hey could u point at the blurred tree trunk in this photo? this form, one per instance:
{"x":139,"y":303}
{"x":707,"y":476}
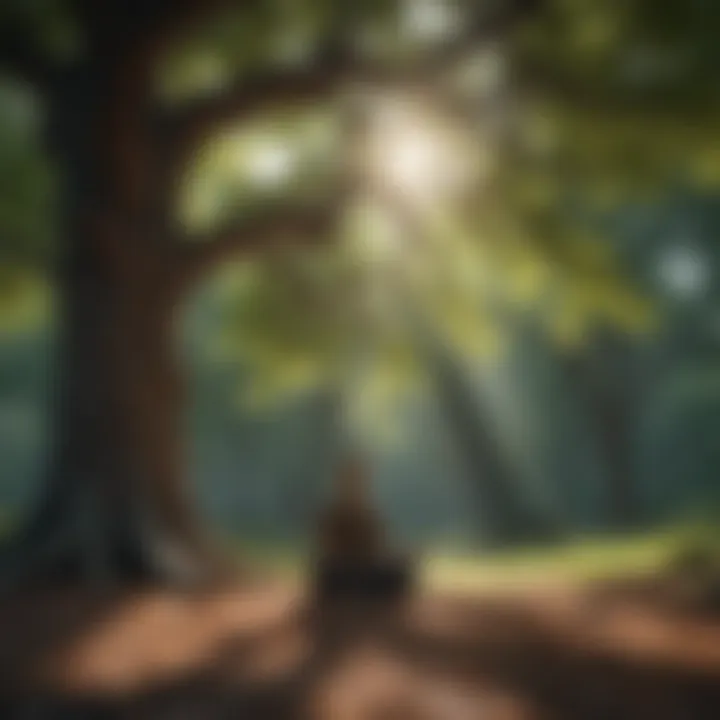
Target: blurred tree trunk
{"x":116,"y":504}
{"x":504,"y":514}
{"x":309,"y":481}
{"x":601,"y":380}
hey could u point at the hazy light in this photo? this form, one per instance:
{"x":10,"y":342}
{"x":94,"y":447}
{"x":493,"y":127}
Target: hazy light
{"x":484,"y":73}
{"x":416,"y":155}
{"x":684,"y":271}
{"x":269,"y":164}
{"x":376,"y":235}
{"x":411,"y":161}
{"x":429,"y":19}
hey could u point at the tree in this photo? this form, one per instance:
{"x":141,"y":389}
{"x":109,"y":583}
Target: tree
{"x":601,"y":378}
{"x":115,"y":501}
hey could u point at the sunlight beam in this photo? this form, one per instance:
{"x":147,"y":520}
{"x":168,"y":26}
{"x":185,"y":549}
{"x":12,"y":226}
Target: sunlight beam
{"x":269,"y":164}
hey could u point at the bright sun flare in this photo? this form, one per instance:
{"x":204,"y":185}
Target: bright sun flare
{"x":417,"y":155}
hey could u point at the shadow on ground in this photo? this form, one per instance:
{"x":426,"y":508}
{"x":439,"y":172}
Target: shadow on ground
{"x":263,"y":655}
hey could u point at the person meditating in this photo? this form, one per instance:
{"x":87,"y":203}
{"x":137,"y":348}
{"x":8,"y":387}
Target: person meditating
{"x":354,"y":561}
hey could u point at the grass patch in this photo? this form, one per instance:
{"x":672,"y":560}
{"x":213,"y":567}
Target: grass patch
{"x":577,"y":560}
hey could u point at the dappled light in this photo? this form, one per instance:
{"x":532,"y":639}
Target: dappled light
{"x":684,"y":271}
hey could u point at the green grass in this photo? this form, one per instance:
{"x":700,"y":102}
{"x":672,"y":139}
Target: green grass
{"x":578,"y":560}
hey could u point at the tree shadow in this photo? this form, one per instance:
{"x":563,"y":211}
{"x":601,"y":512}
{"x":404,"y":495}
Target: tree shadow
{"x":301,"y":645}
{"x":516,"y":651}
{"x":33,"y":625}
{"x":274,"y":668}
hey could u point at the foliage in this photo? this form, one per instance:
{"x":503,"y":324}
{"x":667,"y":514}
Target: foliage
{"x":26,"y":209}
{"x":601,"y":98}
{"x":585,"y":106}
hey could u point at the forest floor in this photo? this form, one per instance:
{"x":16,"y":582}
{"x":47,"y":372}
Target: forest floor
{"x":539,"y":652}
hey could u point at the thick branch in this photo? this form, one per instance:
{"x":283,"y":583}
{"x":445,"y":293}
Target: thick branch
{"x":484,"y":25}
{"x":252,"y":95}
{"x":334,"y":68}
{"x":126,"y":40}
{"x":306,"y":226}
{"x":162,"y":20}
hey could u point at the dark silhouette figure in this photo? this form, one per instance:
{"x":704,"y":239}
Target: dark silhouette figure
{"x":354,"y":561}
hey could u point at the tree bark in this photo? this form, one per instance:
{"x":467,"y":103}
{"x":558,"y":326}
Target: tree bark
{"x":607,"y":394}
{"x":116,"y":504}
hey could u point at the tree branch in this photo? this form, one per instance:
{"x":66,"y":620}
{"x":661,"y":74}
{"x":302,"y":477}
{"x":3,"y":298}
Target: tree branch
{"x":161,"y":19}
{"x":249,"y":96}
{"x":126,"y":40}
{"x":484,"y":25}
{"x":306,"y":226}
{"x":335,"y":66}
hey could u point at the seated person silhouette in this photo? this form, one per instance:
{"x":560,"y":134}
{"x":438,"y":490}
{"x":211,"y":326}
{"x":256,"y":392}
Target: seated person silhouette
{"x":354,"y":561}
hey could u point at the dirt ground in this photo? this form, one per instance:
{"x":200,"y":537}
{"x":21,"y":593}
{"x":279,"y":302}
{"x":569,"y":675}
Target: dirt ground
{"x":261,"y":653}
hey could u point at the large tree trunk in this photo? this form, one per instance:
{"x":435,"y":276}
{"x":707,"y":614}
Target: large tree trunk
{"x":116,"y":505}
